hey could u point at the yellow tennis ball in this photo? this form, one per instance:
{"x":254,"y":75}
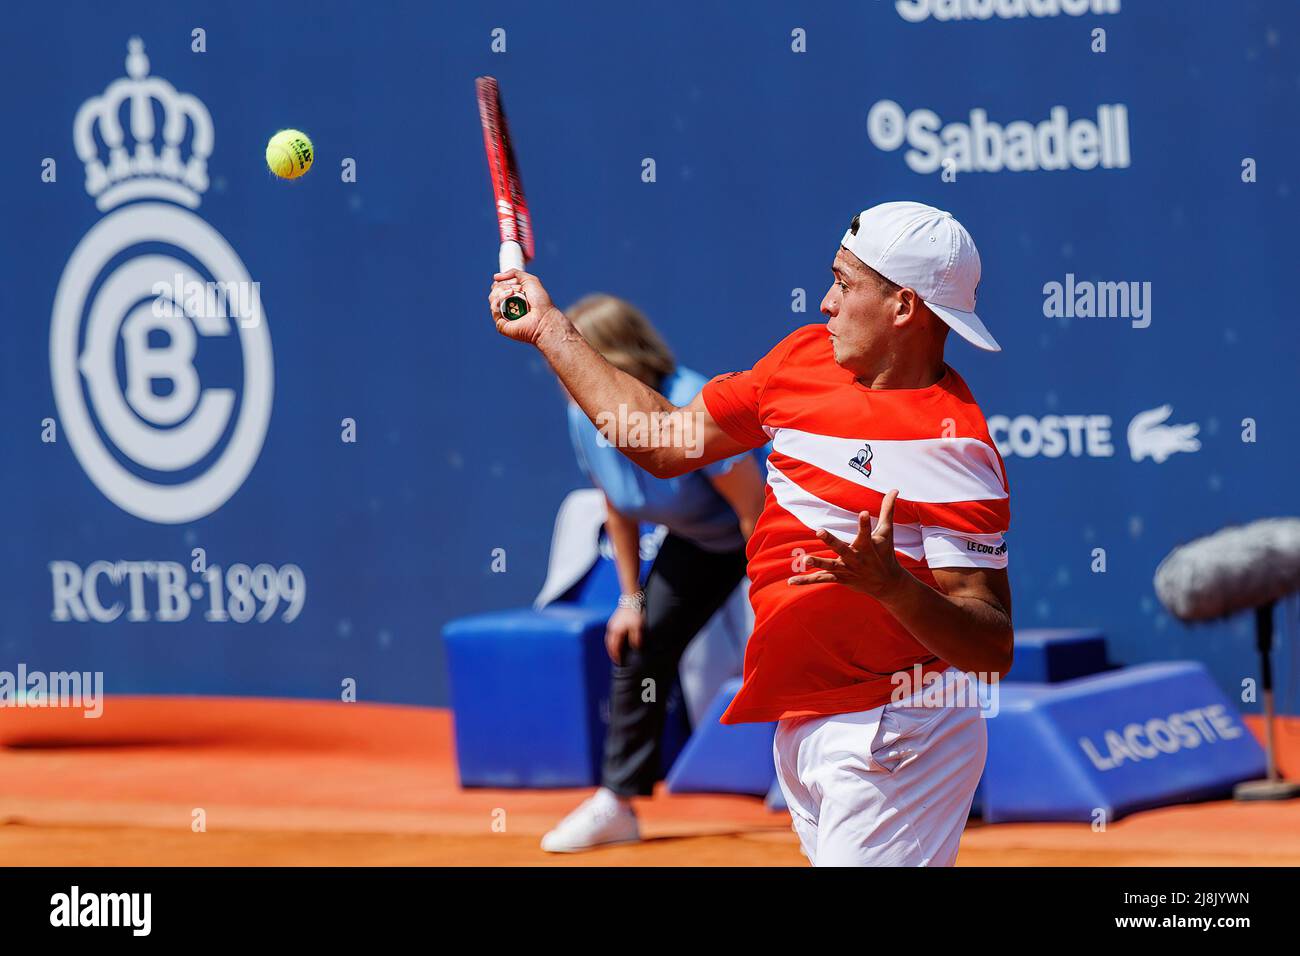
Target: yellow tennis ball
{"x":289,"y":153}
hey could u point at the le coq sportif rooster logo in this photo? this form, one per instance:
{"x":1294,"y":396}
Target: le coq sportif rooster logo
{"x":862,"y":461}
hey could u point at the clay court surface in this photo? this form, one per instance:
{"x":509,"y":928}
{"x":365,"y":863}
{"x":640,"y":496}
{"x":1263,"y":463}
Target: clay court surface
{"x":321,"y":784}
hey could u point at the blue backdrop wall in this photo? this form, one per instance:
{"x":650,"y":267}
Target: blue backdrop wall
{"x":1165,"y":163}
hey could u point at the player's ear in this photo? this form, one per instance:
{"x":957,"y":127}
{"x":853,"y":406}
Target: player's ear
{"x":907,"y":303}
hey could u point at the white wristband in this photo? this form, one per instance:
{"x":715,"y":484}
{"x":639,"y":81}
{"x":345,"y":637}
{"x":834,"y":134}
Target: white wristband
{"x":634,"y":602}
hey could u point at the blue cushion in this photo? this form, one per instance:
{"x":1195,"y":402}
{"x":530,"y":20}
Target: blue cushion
{"x":1114,"y":743}
{"x":528,"y":688}
{"x":725,"y":758}
{"x":1049,"y":655}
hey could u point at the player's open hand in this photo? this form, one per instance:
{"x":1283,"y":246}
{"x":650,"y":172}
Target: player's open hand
{"x":506,"y":284}
{"x":867,"y":565}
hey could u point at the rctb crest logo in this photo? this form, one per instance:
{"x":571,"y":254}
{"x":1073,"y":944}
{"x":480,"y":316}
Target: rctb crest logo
{"x":166,"y":409}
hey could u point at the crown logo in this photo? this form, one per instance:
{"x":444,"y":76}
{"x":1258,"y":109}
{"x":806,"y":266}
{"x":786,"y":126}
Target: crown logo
{"x":139,"y":167}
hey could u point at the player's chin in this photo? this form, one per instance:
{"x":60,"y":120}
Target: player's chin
{"x":842,"y":352}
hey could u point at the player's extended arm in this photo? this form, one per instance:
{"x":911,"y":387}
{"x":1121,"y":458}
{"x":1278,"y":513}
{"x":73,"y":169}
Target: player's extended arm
{"x":681,"y":439}
{"x":966,"y":623}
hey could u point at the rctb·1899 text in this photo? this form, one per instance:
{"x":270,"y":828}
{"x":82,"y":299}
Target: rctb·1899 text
{"x":162,"y":591}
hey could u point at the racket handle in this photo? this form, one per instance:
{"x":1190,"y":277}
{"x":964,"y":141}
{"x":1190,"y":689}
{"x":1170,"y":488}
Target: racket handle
{"x":512,"y":257}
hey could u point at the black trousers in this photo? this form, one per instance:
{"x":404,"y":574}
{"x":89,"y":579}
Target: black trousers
{"x":686,"y":585}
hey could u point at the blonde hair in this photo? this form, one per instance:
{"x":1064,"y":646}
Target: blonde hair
{"x":620,"y":332}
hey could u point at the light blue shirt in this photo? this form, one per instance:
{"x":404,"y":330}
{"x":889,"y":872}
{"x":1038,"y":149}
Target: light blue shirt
{"x":688,"y":505}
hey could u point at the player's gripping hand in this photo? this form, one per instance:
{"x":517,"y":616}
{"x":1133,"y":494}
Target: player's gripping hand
{"x":868,"y":565}
{"x":541,"y":310}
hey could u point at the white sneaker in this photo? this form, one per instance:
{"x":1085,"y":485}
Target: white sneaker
{"x":600,"y":820}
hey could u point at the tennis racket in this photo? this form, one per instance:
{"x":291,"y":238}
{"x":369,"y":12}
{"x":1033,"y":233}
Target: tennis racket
{"x":512,"y":208}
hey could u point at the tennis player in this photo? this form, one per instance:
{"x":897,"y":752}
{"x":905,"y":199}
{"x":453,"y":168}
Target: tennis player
{"x":878,"y":563}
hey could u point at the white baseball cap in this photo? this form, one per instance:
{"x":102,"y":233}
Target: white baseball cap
{"x":925,"y":249}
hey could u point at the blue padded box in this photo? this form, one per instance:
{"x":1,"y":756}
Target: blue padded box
{"x":1127,"y":740}
{"x":725,"y":758}
{"x":1048,"y":655}
{"x":530,"y":695}
{"x":528,"y":688}
{"x":1052,"y":654}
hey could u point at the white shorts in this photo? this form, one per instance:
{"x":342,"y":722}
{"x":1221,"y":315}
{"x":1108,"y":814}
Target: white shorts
{"x":890,"y":786}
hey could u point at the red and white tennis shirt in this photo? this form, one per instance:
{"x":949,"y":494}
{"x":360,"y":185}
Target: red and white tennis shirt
{"x":837,"y":448}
